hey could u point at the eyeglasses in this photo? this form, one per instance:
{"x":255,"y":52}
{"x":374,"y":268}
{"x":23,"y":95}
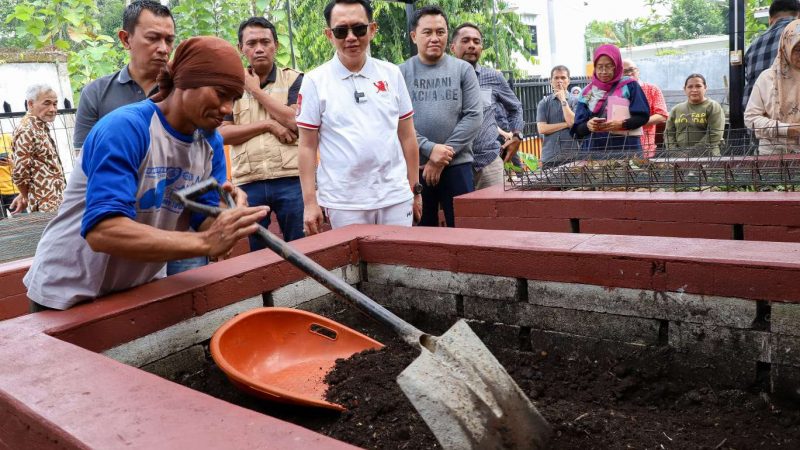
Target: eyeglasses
{"x":358,"y":31}
{"x":605,"y":68}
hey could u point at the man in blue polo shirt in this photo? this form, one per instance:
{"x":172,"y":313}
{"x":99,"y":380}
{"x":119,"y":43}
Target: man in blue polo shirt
{"x":118,"y":223}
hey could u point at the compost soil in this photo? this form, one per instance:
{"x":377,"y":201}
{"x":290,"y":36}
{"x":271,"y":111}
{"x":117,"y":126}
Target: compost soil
{"x":638,"y":400}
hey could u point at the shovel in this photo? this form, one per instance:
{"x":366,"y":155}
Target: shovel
{"x":458,"y":387}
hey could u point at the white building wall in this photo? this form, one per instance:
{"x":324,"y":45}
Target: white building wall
{"x":15,"y":77}
{"x":560,"y":26}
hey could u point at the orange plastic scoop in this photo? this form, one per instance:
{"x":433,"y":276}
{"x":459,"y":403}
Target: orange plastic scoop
{"x":283,"y":354}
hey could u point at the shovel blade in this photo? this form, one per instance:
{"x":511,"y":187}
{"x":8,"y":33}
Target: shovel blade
{"x":468,"y":399}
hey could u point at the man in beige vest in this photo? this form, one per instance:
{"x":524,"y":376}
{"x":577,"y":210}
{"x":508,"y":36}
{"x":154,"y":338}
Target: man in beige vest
{"x":262,"y":132}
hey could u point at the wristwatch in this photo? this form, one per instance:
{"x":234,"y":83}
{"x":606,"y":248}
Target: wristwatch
{"x":417,"y":189}
{"x":518,"y":135}
{"x":563,"y":103}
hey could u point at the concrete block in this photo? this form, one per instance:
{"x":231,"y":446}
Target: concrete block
{"x":572,"y":346}
{"x":785,"y":318}
{"x":180,"y":336}
{"x":785,"y":382}
{"x":716,"y":342}
{"x":307,"y":289}
{"x":728,"y":357}
{"x":478,"y":285}
{"x":408,"y":299}
{"x":175,"y":366}
{"x":496,"y":335}
{"x":675,"y":306}
{"x":785,"y":349}
{"x":584,"y":323}
{"x":327,"y":305}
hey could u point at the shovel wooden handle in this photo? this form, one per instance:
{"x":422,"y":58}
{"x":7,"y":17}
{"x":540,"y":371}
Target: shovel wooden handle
{"x":366,"y":305}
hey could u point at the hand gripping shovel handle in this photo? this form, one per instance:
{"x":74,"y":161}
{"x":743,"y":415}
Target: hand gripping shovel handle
{"x":366,"y":305}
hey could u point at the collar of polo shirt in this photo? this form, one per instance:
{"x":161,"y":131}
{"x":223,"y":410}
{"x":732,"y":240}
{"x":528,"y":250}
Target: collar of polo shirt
{"x":368,"y":71}
{"x":124,"y":75}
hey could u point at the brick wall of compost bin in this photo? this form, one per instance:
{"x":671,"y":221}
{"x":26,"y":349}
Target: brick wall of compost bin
{"x":14,"y":302}
{"x":730,"y":339}
{"x":756,"y":216}
{"x":698,"y":296}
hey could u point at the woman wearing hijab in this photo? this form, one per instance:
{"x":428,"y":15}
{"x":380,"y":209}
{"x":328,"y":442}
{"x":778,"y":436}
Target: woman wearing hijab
{"x":774,"y":106}
{"x":695,"y":127}
{"x":611,"y":109}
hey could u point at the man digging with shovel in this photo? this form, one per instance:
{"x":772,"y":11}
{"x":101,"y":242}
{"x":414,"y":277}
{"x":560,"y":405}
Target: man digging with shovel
{"x":118,"y":226}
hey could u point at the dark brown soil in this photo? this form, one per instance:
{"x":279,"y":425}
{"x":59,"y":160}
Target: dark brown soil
{"x":638,"y":400}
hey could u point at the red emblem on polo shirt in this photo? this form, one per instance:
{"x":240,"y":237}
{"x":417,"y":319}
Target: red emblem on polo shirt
{"x":299,"y":104}
{"x":382,"y":86}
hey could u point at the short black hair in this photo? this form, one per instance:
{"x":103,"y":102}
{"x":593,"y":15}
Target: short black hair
{"x":466,"y":25}
{"x":430,"y":10}
{"x":559,"y":68}
{"x":256,"y":21}
{"x":695,"y":75}
{"x":329,"y":8}
{"x":130,"y":17}
{"x":779,"y":6}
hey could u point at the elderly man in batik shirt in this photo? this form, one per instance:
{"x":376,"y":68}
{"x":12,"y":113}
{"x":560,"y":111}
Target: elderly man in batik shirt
{"x":37,"y":169}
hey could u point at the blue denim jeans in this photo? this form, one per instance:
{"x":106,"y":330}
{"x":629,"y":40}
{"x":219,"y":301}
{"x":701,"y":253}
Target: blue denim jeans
{"x":182,"y":265}
{"x":285,"y":198}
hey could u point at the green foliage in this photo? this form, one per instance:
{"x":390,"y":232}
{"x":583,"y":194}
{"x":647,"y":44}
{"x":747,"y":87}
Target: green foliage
{"x":688,"y":19}
{"x":70,"y":26}
{"x":530,"y":161}
{"x":392,"y":42}
{"x":511,"y":167}
{"x":109,"y":15}
{"x":86,"y":29}
{"x":694,"y":18}
{"x":54,"y":23}
{"x":221,"y":18}
{"x":753,"y":27}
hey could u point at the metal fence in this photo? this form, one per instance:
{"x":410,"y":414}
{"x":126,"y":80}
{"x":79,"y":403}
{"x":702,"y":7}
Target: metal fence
{"x":532,"y":90}
{"x":733,"y":162}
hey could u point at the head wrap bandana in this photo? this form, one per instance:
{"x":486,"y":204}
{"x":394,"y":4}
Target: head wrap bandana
{"x":596,"y":93}
{"x":202,"y":61}
{"x":786,"y":87}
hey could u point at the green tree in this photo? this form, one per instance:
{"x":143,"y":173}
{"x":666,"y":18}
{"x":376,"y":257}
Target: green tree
{"x":110,"y":16}
{"x":221,"y":18}
{"x":687,"y":19}
{"x":71,"y":26}
{"x":694,"y":18}
{"x":392,"y":41}
{"x":753,"y":27}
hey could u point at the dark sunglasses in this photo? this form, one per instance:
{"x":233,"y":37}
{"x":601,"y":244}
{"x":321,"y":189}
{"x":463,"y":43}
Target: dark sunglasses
{"x":341,"y":32}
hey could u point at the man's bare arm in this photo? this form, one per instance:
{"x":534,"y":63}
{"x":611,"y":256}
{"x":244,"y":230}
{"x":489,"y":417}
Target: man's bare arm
{"x":233,"y":134}
{"x":550,"y":128}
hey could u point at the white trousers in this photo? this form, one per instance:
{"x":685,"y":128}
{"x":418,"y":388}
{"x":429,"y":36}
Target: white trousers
{"x":400,"y":214}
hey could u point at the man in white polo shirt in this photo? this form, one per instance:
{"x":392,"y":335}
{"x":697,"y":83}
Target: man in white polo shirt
{"x":357,"y":110}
